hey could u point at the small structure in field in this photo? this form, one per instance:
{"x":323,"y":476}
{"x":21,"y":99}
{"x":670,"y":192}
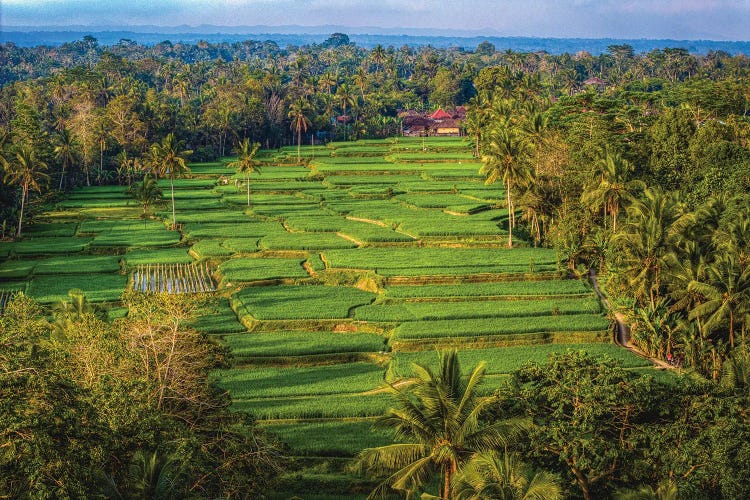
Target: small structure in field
{"x":5,"y":297}
{"x":173,"y":278}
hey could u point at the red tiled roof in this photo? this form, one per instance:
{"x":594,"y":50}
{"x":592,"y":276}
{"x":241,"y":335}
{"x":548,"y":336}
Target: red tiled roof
{"x":440,"y":115}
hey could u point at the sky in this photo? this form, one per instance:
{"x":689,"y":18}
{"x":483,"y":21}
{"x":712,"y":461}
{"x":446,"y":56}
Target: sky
{"x":675,"y":19}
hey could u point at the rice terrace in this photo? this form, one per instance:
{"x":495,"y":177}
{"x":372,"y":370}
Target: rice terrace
{"x":339,"y":275}
{"x":416,"y":261}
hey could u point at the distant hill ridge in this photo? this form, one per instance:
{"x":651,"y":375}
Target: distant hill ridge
{"x":29,"y":36}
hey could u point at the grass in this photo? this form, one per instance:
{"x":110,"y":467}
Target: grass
{"x":96,"y":287}
{"x":330,"y":439}
{"x":299,"y":302}
{"x":304,"y":241}
{"x":157,"y":256}
{"x":476,"y":309}
{"x":266,"y":382}
{"x":137,"y":239}
{"x":55,"y":229}
{"x":46,"y":246}
{"x":241,"y":245}
{"x":504,"y":360}
{"x":247,"y":229}
{"x":500,"y":326}
{"x":328,"y":406}
{"x":254,"y":269}
{"x":212,"y":248}
{"x":503,"y":289}
{"x":286,"y":343}
{"x":414,"y":261}
{"x":76,"y":264}
{"x":16,"y":269}
{"x":217,"y":317}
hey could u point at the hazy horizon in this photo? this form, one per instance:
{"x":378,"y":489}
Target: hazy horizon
{"x":631,"y":19}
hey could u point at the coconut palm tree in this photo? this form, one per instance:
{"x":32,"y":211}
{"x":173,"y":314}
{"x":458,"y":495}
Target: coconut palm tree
{"x":146,"y":194}
{"x":298,"y":114}
{"x":506,"y":157}
{"x":66,"y":151}
{"x":495,"y":476}
{"x":167,"y":158}
{"x":726,"y":291}
{"x":345,"y":98}
{"x":439,"y":417}
{"x":611,"y":186}
{"x":26,"y":171}
{"x":246,"y":161}
{"x":655,"y":225}
{"x":377,"y":55}
{"x":666,"y":490}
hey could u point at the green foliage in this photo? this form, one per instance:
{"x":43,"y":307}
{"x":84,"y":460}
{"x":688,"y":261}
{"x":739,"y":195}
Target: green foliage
{"x":421,"y":311}
{"x":266,"y":268}
{"x":97,"y":287}
{"x":329,"y":439}
{"x":502,"y":289}
{"x":286,"y":343}
{"x":298,"y":302}
{"x":513,"y":328}
{"x":266,"y":382}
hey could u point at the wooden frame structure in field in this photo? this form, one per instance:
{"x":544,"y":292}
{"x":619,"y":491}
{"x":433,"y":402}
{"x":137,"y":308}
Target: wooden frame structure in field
{"x":173,"y":278}
{"x":5,"y":297}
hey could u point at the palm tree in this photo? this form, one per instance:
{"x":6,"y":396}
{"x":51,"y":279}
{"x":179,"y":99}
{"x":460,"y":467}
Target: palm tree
{"x":655,"y":225}
{"x":168,"y":159}
{"x":495,"y":476}
{"x":300,"y":121}
{"x":726,"y":290}
{"x":666,"y":490}
{"x":611,"y":186}
{"x":439,"y":416}
{"x":146,"y":193}
{"x":505,"y":157}
{"x":154,"y":476}
{"x":66,"y":151}
{"x":246,"y":161}
{"x":327,"y":81}
{"x":377,"y":55}
{"x":26,"y":171}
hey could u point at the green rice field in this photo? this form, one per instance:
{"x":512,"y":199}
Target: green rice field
{"x":340,"y":274}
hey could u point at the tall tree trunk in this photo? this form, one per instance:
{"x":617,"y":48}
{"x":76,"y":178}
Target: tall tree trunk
{"x":731,"y":328}
{"x":583,"y":482}
{"x":62,"y":175}
{"x":510,"y":216}
{"x":248,"y":190}
{"x":24,"y":193}
{"x":299,"y":143}
{"x":174,"y":219}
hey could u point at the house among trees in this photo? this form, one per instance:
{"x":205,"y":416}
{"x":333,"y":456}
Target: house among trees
{"x":595,"y":82}
{"x":439,"y":123}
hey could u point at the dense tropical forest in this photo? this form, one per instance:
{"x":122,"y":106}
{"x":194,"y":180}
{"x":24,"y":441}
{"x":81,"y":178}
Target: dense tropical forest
{"x":631,"y":168}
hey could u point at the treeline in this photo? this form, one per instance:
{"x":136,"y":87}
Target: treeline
{"x":91,"y":408}
{"x":647,"y":183}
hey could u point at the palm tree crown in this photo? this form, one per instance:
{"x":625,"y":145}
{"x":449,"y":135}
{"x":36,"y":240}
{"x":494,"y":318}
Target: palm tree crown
{"x":439,"y":416}
{"x":28,"y":172}
{"x":505,"y":157}
{"x":167,"y":158}
{"x":246,"y":161}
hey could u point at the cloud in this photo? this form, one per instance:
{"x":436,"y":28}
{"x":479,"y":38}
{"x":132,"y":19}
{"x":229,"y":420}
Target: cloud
{"x":682,"y":19}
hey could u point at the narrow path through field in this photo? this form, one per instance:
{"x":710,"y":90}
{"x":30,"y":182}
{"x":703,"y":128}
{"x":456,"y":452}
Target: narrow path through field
{"x":622,"y":331}
{"x":401,"y":383}
{"x":367,"y":221}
